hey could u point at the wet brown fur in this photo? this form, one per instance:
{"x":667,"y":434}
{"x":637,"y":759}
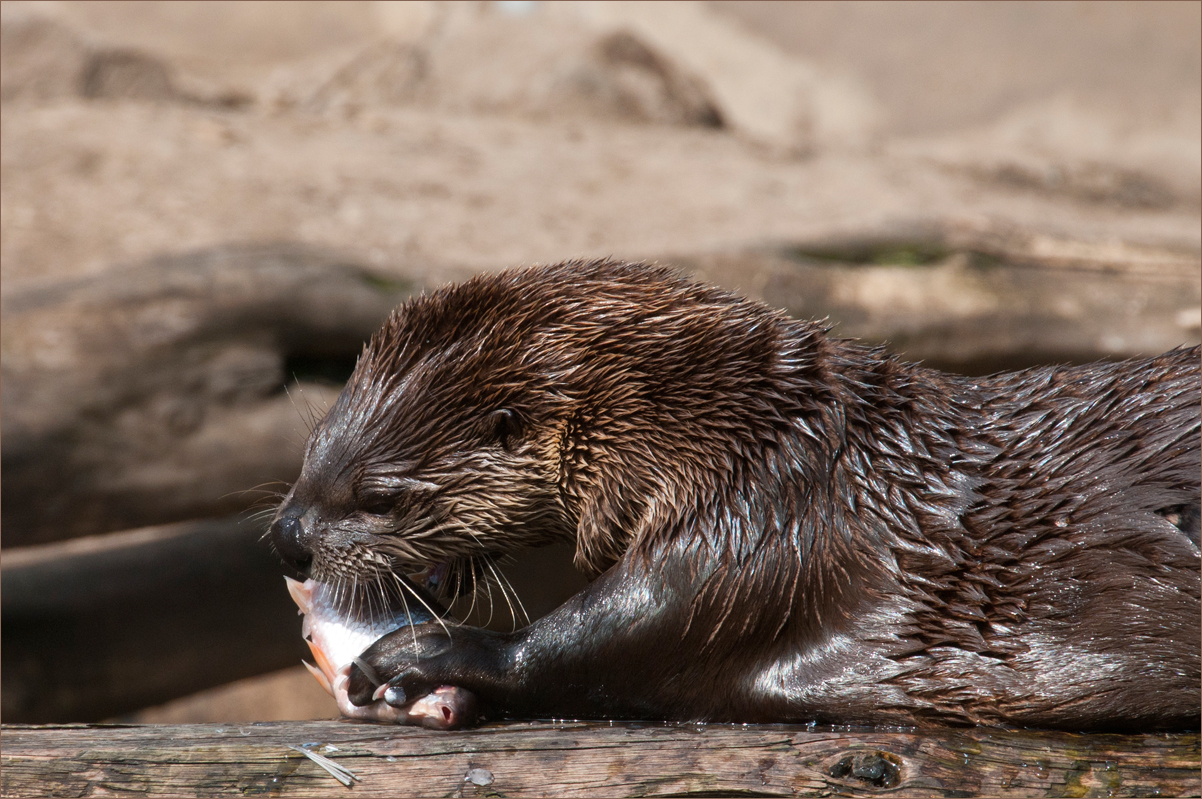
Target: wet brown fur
{"x":785,"y":526}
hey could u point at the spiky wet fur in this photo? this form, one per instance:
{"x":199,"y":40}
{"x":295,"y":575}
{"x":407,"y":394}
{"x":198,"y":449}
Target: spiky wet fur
{"x":817,"y":529}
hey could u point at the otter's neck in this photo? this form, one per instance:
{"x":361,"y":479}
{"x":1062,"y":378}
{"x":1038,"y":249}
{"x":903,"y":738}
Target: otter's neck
{"x":653,"y":438}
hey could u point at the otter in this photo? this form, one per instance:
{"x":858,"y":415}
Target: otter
{"x":781,"y":525}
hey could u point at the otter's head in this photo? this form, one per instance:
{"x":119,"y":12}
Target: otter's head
{"x":441,"y":447}
{"x":517,"y":409}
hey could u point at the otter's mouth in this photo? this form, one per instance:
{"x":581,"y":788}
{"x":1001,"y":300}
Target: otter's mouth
{"x":450,"y":579}
{"x":474,"y":584}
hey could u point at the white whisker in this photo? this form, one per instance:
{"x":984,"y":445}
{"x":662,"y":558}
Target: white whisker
{"x":525,"y":616}
{"x":417,"y":595}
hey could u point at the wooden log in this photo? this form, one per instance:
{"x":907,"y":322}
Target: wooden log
{"x":590,"y":759}
{"x":100,"y":626}
{"x":977,"y":302}
{"x":155,"y":394}
{"x":164,"y":391}
{"x":104,"y":625}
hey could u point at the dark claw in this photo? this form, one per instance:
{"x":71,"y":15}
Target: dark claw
{"x":369,"y":672}
{"x":359,"y":689}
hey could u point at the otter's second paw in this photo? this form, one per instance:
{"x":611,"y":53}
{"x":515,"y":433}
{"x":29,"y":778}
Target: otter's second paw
{"x":444,"y":708}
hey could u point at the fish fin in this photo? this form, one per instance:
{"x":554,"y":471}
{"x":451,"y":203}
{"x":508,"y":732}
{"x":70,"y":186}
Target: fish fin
{"x":323,"y":662}
{"x":320,"y":676}
{"x":303,"y":597}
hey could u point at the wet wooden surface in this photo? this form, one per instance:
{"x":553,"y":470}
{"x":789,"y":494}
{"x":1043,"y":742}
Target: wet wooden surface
{"x":588,"y":759}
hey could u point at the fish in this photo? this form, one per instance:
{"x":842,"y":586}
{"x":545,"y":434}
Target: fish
{"x":337,"y":638}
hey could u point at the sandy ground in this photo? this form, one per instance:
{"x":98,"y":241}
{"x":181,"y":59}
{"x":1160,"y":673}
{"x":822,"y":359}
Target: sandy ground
{"x":935,"y":67}
{"x":477,"y":179}
{"x":437,"y":140}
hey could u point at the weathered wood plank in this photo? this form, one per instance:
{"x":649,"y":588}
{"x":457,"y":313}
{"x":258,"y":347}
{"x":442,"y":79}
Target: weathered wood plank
{"x":590,"y":759}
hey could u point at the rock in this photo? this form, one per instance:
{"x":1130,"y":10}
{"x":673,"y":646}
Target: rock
{"x":665,"y":63}
{"x":165,"y":391}
{"x":477,"y":60}
{"x":1079,"y":152}
{"x":548,"y":64}
{"x":45,"y":56}
{"x":757,"y":89}
{"x":126,"y":75}
{"x":381,"y":75}
{"x":40,"y":57}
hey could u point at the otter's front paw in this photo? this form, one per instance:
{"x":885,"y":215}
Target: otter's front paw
{"x":411,"y":664}
{"x":399,"y":653}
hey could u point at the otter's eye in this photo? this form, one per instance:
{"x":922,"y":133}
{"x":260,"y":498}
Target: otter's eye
{"x":377,"y":506}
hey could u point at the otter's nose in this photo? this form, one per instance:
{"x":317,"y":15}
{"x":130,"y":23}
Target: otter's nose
{"x":288,"y":535}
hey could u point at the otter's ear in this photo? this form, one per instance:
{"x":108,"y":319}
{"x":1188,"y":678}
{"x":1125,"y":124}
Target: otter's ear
{"x":502,"y":426}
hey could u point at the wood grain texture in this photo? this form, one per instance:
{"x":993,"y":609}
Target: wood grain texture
{"x":589,"y":759}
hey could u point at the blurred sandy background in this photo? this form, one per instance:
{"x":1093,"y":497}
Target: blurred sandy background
{"x":484,"y":136}
{"x":432,"y":140}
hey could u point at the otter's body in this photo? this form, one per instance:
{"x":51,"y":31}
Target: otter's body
{"x":785,"y":526}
